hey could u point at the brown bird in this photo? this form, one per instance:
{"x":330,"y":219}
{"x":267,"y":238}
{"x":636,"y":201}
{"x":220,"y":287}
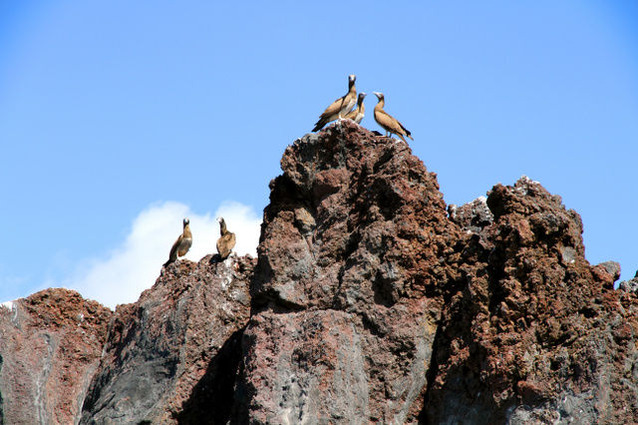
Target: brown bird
{"x":357,"y":113}
{"x":182,"y":244}
{"x":339,"y":107}
{"x":387,"y":121}
{"x":226,"y":241}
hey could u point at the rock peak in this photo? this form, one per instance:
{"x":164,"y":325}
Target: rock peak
{"x":370,"y":301}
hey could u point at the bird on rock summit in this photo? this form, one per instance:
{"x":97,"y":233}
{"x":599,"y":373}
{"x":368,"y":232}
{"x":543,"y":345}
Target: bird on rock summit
{"x":339,"y":107}
{"x":357,"y":113}
{"x":388,"y":122}
{"x":182,"y":244}
{"x":226,"y":241}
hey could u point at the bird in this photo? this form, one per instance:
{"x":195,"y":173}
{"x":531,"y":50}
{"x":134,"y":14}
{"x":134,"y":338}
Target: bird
{"x":226,"y":241}
{"x":387,"y":121}
{"x":357,"y":113}
{"x":339,"y":107}
{"x":182,"y":244}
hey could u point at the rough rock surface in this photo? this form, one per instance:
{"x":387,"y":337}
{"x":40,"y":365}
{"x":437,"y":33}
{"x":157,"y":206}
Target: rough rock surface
{"x":50,"y":346}
{"x":630,"y":285}
{"x":370,"y":302}
{"x":348,"y":287}
{"x":473,"y":216}
{"x":172,"y":356}
{"x":534,"y":334}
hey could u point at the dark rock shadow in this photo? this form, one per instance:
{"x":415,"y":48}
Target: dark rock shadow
{"x":212,"y":399}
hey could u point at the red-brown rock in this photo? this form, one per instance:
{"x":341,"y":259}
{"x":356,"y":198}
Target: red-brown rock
{"x":370,"y":302}
{"x":353,"y":263}
{"x":50,"y":346}
{"x":535,"y":334}
{"x":172,"y":356}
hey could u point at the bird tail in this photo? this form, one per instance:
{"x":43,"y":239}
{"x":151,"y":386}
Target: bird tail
{"x":319,"y":125}
{"x":171,"y":258}
{"x":407,"y":132}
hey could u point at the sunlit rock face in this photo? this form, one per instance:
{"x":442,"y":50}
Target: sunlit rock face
{"x":50,"y":347}
{"x":535,"y":334}
{"x":356,"y":253}
{"x":172,"y":356}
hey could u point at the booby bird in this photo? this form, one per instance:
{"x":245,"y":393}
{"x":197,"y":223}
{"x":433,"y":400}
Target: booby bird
{"x":339,"y":107}
{"x":182,"y":244}
{"x":226,"y":241}
{"x":357,"y":113}
{"x":387,"y":121}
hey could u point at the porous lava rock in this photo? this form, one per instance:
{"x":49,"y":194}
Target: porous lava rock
{"x":534,"y":334}
{"x":50,"y":346}
{"x":353,"y":260}
{"x":172,"y":356}
{"x":371,"y":301}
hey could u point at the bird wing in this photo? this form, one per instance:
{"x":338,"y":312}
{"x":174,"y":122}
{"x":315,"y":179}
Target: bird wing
{"x":220,"y":245}
{"x":349,"y":102}
{"x":351,"y":115}
{"x":391,"y":124}
{"x":359,"y":114}
{"x":225,"y":245}
{"x":173,"y":254}
{"x":407,"y":132}
{"x":184,"y":245}
{"x":231,"y":241}
{"x":334,"y":108}
{"x":386,"y":121}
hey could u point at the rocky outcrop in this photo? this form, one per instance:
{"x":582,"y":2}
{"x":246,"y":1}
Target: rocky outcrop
{"x":173,"y":355}
{"x":347,"y":294}
{"x":534,"y":334}
{"x":50,"y":346}
{"x":371,"y":301}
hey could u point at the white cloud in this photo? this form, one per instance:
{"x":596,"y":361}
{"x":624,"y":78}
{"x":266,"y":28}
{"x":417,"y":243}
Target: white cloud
{"x":134,"y":266}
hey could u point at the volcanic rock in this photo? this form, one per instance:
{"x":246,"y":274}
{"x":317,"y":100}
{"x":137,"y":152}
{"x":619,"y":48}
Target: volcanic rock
{"x":535,"y":334}
{"x":346,"y":304}
{"x":172,"y":356}
{"x":50,"y":346}
{"x":630,"y":285}
{"x":371,"y":301}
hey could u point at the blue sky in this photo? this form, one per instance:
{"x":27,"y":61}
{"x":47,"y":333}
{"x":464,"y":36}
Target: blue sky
{"x":113,"y":111}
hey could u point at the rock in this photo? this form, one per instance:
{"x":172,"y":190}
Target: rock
{"x":612,"y":268}
{"x":370,"y":302}
{"x":343,"y":326}
{"x":50,"y":345}
{"x":537,"y":335}
{"x":630,"y":285}
{"x":172,"y":356}
{"x":473,"y":216}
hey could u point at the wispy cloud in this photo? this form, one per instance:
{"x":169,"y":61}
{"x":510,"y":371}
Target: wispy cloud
{"x":121,"y":275}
